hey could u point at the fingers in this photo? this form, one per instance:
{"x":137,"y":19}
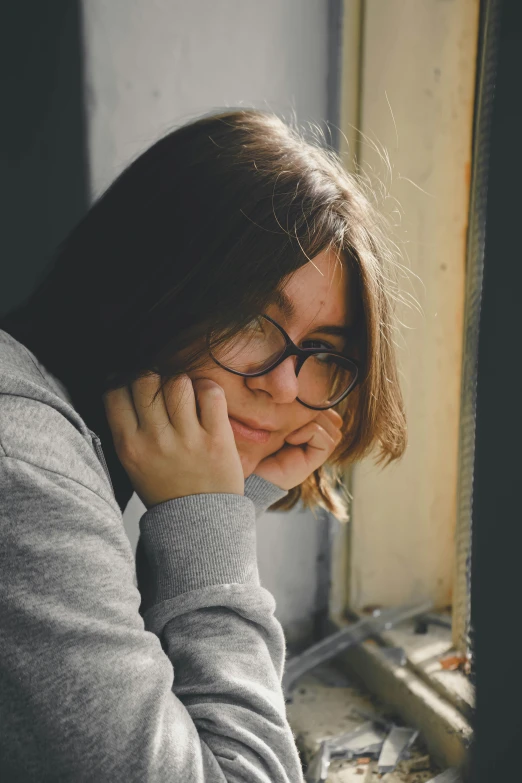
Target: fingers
{"x":213,"y":410}
{"x":312,"y":435}
{"x":150,"y":410}
{"x":318,"y":438}
{"x":121,"y":413}
{"x":180,"y":403}
{"x":332,"y":422}
{"x":174,"y":406}
{"x":170,"y":454}
{"x":139,"y":407}
{"x":305,"y":450}
{"x":327,"y":424}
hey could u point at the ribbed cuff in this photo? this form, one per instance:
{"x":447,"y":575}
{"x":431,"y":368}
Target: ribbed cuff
{"x":200,"y":540}
{"x":262,"y":493}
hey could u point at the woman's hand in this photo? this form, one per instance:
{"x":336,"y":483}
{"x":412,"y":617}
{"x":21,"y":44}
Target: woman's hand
{"x":305,"y":450}
{"x":166,"y":449}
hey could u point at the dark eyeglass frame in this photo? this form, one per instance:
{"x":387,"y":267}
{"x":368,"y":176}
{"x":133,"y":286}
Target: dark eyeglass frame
{"x":291,"y":349}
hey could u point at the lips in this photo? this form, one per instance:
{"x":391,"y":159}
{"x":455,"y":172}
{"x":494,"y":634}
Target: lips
{"x":255,"y":425}
{"x":250,"y":431}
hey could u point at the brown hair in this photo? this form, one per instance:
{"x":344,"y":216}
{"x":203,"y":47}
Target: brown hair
{"x":201,"y":231}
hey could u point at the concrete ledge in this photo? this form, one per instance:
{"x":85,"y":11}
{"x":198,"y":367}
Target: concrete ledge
{"x":424,"y":652}
{"x":444,"y":729}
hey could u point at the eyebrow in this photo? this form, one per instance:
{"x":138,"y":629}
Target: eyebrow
{"x":282,"y":301}
{"x":285,"y":305}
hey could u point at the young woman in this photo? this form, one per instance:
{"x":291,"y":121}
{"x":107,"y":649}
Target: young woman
{"x":221,"y":320}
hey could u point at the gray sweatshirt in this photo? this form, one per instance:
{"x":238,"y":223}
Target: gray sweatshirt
{"x":91,"y":690}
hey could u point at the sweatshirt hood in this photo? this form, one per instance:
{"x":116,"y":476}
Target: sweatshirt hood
{"x":23,"y":375}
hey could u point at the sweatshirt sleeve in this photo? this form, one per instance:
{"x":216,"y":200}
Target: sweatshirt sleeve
{"x":262,"y":493}
{"x":92,"y":691}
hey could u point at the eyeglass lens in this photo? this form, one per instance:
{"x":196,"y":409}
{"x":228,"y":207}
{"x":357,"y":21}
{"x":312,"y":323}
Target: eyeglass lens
{"x":322,"y":380}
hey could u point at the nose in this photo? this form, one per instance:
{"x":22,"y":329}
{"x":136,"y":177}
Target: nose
{"x":280,"y":383}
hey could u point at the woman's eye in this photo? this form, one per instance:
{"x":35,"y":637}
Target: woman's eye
{"x":318,"y":344}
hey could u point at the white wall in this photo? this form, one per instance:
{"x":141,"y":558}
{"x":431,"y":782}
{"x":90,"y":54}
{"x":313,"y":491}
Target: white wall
{"x":154,"y":64}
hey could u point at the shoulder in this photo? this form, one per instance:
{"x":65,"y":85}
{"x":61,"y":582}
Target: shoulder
{"x":39,"y":426}
{"x":34,"y":432}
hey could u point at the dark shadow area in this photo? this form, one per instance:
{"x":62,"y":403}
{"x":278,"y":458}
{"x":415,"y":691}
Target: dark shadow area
{"x":497,"y":513}
{"x":43,"y":172}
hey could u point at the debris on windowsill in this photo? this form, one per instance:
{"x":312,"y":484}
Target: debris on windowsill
{"x":317,"y":771}
{"x":395,"y":747}
{"x":339,"y":641}
{"x":443,"y":620}
{"x":330,"y":712}
{"x":419,"y":764}
{"x":449,"y":776}
{"x":364,"y":743}
{"x":364,"y":740}
{"x":455,"y":663}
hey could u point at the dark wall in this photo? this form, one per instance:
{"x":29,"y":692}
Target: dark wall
{"x":43,"y":176}
{"x":497,"y":499}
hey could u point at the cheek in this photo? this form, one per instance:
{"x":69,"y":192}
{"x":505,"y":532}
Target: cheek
{"x":298,"y":417}
{"x":293,"y":418}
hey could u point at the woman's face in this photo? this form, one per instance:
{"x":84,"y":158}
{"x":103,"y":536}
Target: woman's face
{"x":264,"y":410}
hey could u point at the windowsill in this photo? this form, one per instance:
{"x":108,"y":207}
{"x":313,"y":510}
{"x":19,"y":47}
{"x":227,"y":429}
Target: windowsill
{"x":437,"y":702}
{"x":424,"y":653}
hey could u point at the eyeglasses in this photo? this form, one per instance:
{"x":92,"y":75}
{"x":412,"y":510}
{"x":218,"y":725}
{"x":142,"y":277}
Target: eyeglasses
{"x":325,"y":377}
